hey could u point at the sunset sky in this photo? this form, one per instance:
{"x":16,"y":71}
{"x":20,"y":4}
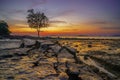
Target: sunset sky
{"x":67,"y":17}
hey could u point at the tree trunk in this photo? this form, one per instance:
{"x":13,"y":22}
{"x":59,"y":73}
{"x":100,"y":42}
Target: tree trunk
{"x":38,"y":33}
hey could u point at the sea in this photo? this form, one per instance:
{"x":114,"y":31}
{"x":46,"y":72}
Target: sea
{"x":88,"y":37}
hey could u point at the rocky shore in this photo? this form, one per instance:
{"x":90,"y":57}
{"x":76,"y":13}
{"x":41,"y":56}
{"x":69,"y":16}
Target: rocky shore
{"x":29,"y":59}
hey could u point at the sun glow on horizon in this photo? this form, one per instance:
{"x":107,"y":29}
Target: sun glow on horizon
{"x":60,"y":29}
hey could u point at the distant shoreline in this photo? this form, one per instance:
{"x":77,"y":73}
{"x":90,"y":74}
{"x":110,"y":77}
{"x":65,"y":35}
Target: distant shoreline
{"x":62,"y":37}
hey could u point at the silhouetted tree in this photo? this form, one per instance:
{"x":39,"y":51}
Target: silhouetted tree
{"x":37,"y":20}
{"x":4,"y":28}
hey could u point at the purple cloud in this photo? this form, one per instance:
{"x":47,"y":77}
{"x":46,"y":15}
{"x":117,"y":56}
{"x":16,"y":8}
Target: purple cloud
{"x":99,"y":22}
{"x":113,"y":28}
{"x":58,"y":21}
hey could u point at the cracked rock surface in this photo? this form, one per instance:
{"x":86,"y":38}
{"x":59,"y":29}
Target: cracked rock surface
{"x":80,"y":59}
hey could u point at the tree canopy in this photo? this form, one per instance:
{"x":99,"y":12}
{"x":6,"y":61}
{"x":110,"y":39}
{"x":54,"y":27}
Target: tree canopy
{"x":37,"y":20}
{"x":4,"y":28}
